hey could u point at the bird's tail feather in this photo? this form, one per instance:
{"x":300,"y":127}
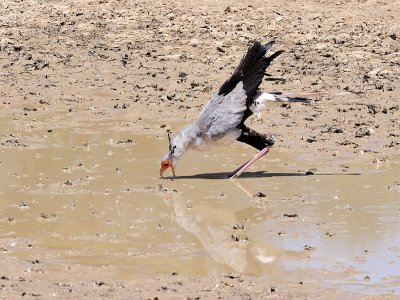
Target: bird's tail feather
{"x":261,"y":100}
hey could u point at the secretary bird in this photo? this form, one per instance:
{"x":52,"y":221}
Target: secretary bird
{"x":224,"y":116}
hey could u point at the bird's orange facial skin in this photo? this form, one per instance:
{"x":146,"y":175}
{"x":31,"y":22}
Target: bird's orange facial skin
{"x":165,"y":165}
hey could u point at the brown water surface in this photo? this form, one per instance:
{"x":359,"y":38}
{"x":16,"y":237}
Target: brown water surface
{"x":92,"y":196}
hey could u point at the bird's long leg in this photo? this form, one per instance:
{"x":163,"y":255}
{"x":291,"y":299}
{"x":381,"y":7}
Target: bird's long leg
{"x":246,"y":165}
{"x":241,"y":166}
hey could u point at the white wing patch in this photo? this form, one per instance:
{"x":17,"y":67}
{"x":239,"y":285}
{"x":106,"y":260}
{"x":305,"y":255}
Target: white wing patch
{"x":261,"y":100}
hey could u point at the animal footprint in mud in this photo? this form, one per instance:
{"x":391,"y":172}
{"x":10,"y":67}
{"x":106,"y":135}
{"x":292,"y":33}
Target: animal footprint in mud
{"x":47,"y":217}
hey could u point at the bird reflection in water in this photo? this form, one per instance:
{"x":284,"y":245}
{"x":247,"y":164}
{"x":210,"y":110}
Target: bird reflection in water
{"x":236,"y":248}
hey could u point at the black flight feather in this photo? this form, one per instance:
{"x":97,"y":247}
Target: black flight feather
{"x":250,"y":70}
{"x":230,"y":84}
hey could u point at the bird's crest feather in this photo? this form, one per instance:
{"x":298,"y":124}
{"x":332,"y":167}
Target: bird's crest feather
{"x":171,"y":147}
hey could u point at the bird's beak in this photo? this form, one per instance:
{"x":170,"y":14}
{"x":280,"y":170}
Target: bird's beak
{"x":164,"y":166}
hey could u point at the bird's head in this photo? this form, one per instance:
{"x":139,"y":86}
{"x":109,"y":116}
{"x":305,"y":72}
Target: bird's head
{"x":168,"y":160}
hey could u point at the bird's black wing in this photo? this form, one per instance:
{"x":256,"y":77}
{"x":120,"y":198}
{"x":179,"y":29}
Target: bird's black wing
{"x":250,"y":70}
{"x":230,"y":106}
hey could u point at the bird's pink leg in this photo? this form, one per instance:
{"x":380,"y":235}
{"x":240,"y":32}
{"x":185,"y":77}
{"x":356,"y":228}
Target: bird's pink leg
{"x":246,"y":165}
{"x":241,"y":166}
{"x":257,"y":156}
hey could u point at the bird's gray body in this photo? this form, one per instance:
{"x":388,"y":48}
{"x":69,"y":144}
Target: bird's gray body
{"x":217,"y":121}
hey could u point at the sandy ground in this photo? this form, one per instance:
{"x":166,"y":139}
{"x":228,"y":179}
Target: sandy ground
{"x":133,"y":62}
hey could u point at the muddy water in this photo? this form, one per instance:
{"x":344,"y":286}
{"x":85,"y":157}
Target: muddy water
{"x":92,"y":196}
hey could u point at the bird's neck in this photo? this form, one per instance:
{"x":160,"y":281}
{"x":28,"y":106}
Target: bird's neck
{"x":185,"y":140}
